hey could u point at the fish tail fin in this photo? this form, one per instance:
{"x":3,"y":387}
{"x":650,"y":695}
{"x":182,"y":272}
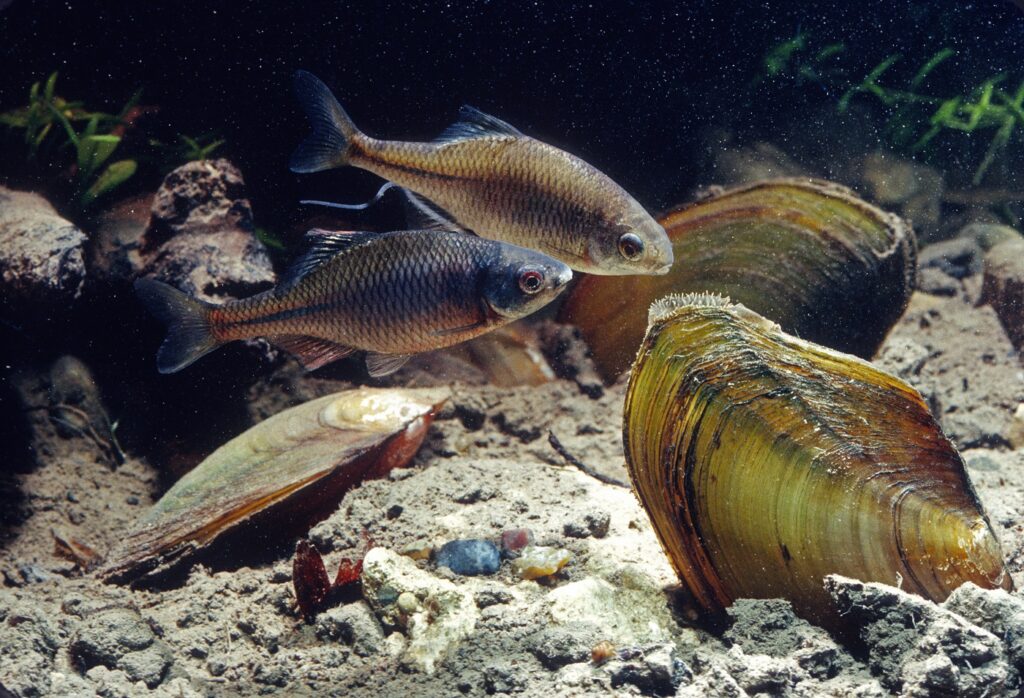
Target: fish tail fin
{"x":189,"y":331}
{"x":330,"y":143}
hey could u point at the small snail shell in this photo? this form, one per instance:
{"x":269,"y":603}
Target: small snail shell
{"x":766,"y":463}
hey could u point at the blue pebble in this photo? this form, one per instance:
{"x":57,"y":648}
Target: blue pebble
{"x":470,"y":557}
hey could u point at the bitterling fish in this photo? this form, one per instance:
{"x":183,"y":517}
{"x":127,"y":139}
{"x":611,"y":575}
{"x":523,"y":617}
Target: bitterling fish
{"x":485,"y":176}
{"x":391,"y":294}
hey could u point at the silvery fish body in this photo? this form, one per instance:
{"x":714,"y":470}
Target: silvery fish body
{"x":390,"y":294}
{"x":485,"y":176}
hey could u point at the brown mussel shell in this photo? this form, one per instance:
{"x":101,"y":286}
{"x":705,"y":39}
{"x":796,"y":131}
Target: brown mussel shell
{"x":766,"y":462}
{"x":277,"y":479}
{"x":808,"y":254}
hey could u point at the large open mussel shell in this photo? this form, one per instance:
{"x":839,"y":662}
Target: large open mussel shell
{"x":767,"y":462}
{"x":280,"y":476}
{"x":807,"y":254}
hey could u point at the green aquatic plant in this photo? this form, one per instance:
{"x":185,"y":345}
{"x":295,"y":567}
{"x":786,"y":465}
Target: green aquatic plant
{"x":48,"y":117}
{"x":185,"y":149}
{"x":987,"y":107}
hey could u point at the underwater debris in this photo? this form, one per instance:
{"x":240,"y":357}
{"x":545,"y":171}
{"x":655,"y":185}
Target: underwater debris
{"x":766,"y":463}
{"x":808,"y":254}
{"x":279,"y":477}
{"x":483,"y":175}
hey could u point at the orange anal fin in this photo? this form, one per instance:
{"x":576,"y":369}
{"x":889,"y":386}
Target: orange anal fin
{"x":312,"y":352}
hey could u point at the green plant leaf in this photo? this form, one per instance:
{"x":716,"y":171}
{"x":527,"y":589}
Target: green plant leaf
{"x":93,"y":151}
{"x":51,"y":85}
{"x":116,"y":174}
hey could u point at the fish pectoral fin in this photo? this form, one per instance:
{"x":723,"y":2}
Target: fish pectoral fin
{"x":473,"y":123}
{"x":457,"y":330}
{"x":320,"y":246}
{"x":423,"y":214}
{"x":312,"y":352}
{"x":382,"y":364}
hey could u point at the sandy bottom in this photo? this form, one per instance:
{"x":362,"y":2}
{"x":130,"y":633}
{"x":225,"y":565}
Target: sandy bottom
{"x":489,"y":465}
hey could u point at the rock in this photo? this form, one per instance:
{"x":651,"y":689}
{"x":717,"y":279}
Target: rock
{"x":714,"y":682}
{"x":504,"y":677}
{"x":590,"y":523}
{"x":915,"y":188}
{"x":1003,"y":287}
{"x":763,"y":674}
{"x":355,"y":625}
{"x":769,"y":627}
{"x":918,"y":648}
{"x":937,"y":282}
{"x":28,"y":645}
{"x":959,"y":258}
{"x":201,"y":236}
{"x":559,"y":645}
{"x":536,"y":561}
{"x":988,"y":235}
{"x":996,"y":611}
{"x":514,"y":540}
{"x":625,"y":614}
{"x":119,"y":638}
{"x":492,"y":596}
{"x":446,"y":616}
{"x":42,"y":258}
{"x":115,"y":254}
{"x":469,"y":557}
{"x":655,"y":671}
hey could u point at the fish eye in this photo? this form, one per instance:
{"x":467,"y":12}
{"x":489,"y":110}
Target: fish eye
{"x":631,"y":246}
{"x":530,"y":281}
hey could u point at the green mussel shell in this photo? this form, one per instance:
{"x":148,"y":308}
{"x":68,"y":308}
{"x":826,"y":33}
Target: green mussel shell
{"x":276,"y":479}
{"x":766,"y":462}
{"x":808,"y":254}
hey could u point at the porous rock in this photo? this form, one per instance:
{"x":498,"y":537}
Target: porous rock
{"x":42,"y":258}
{"x":28,"y":644}
{"x":1003,"y":287}
{"x":558,"y":645}
{"x":770,"y":627}
{"x":447,"y":614}
{"x":119,"y":638}
{"x":588,"y":523}
{"x":918,"y":648}
{"x":959,"y":258}
{"x":201,"y":236}
{"x":654,"y":670}
{"x":355,"y":625}
{"x":998,"y":612}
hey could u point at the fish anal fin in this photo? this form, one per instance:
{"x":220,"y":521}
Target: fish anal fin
{"x":312,"y":352}
{"x":319,"y":246}
{"x":423,"y":214}
{"x":378,"y":365}
{"x":473,"y":123}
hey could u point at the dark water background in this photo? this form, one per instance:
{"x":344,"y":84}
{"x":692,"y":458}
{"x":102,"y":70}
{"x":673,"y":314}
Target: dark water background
{"x":630,"y":86}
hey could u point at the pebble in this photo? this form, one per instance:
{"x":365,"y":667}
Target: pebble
{"x":469,"y":557}
{"x":1003,"y":287}
{"x":514,"y":540}
{"x":1015,"y":432}
{"x":353,"y":624}
{"x":538,"y":561}
{"x":591,"y":523}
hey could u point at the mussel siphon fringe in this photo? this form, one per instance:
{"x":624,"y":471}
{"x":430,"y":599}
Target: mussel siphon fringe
{"x":808,"y":254}
{"x":276,"y":479}
{"x":766,"y":462}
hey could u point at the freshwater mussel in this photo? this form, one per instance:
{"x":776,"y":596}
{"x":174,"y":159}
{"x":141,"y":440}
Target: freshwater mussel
{"x":807,"y":254}
{"x":767,"y":462}
{"x":276,"y":479}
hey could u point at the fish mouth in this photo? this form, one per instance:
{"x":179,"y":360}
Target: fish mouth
{"x":661,"y":271}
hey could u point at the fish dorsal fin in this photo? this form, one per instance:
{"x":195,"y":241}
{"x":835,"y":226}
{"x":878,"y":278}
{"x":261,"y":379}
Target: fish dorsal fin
{"x":321,"y":245}
{"x":378,"y":365}
{"x":312,"y":352}
{"x":473,"y":123}
{"x":423,"y":214}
